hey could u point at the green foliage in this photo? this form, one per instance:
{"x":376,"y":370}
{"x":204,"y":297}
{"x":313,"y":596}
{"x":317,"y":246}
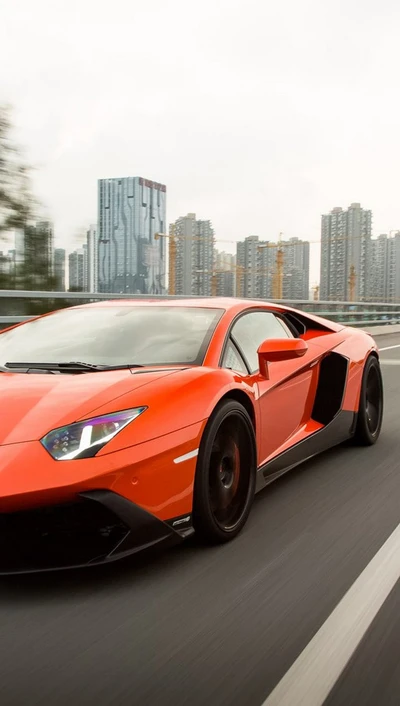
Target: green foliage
{"x":16,"y":200}
{"x":17,"y":212}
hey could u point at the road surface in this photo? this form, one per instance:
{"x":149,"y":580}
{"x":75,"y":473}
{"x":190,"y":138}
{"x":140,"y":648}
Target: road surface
{"x":225,"y":626}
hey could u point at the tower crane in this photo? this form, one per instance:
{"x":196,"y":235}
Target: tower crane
{"x":171,"y":256}
{"x":238,"y":269}
{"x":352,"y":283}
{"x":277,"y":281}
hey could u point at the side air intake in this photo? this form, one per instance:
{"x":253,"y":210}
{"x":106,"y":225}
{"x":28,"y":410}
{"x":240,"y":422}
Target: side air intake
{"x":331,"y":387}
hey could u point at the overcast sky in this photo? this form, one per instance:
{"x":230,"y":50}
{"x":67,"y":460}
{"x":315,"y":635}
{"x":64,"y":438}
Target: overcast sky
{"x":258,"y":115}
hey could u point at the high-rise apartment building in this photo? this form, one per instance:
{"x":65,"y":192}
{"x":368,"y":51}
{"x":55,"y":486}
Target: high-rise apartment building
{"x":257,"y":263}
{"x":194,"y":255}
{"x":184,"y":232}
{"x":296,"y":269}
{"x":34,"y":256}
{"x":345,"y":248}
{"x":224,"y":274}
{"x":59,"y":269}
{"x":203,"y":258}
{"x":76,"y":274}
{"x":384,"y":277}
{"x":131,"y":210}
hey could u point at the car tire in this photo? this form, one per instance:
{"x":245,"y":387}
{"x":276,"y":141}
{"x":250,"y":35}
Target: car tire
{"x":225,"y":474}
{"x":370,"y":409}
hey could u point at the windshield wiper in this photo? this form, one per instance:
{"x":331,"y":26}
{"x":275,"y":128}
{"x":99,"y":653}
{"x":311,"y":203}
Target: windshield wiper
{"x":71,"y":366}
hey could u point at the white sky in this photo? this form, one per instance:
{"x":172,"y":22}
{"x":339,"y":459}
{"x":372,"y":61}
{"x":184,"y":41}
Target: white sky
{"x":259,"y":115}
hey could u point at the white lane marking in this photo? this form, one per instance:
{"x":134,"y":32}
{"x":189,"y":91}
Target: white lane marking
{"x":312,"y":676}
{"x":389,"y":348}
{"x":187,"y":456}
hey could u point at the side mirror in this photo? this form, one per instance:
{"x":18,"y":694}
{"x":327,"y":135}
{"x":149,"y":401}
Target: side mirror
{"x":279,"y":349}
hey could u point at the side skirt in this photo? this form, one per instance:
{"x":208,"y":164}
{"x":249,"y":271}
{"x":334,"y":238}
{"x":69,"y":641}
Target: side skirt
{"x":340,"y":429}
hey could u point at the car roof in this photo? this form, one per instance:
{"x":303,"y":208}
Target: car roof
{"x":231,"y":306}
{"x":201,"y":302}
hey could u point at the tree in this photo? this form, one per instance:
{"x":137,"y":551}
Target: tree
{"x":17,"y":212}
{"x":16,"y":200}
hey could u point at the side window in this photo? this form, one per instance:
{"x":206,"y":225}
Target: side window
{"x":254,"y":328}
{"x":233,"y":360}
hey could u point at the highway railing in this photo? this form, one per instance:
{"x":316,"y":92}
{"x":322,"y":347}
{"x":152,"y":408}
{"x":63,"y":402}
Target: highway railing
{"x":21,"y":305}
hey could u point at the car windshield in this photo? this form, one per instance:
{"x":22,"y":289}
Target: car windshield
{"x":113,"y":335}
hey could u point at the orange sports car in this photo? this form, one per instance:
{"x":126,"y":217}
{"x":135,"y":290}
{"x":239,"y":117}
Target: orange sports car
{"x":129,"y":423}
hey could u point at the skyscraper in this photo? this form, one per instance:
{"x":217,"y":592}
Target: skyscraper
{"x":384,"y":279}
{"x":258,"y":262}
{"x":76,"y":266}
{"x":345,"y":247}
{"x":296,"y":269}
{"x":91,"y":275}
{"x":130,"y":211}
{"x":224,"y":274}
{"x":203,"y":259}
{"x":34,"y":256}
{"x":59,"y":269}
{"x":194,"y":256}
{"x":185,"y":232}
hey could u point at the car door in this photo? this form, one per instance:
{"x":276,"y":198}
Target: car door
{"x":285,"y":399}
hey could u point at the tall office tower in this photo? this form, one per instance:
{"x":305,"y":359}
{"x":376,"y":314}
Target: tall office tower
{"x":296,"y":269}
{"x":91,"y":273}
{"x":59,"y":269}
{"x":345,"y":254}
{"x":76,"y":266}
{"x":131,"y":210}
{"x":194,"y":255}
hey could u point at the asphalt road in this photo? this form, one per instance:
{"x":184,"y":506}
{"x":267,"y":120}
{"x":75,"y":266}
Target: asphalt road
{"x":221,"y":627}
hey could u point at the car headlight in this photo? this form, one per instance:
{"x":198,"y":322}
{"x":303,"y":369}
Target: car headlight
{"x":84,"y":439}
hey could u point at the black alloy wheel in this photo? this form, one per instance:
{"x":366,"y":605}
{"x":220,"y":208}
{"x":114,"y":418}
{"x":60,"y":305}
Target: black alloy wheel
{"x":370,"y":411}
{"x":225,"y":475}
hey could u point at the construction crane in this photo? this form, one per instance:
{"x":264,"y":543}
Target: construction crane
{"x":172,"y":239}
{"x":352,"y":283}
{"x":239,"y":269}
{"x":277,"y":280}
{"x":171,"y":257}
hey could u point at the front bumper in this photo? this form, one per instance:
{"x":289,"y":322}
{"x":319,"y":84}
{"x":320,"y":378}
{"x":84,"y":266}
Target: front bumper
{"x":98,"y":526}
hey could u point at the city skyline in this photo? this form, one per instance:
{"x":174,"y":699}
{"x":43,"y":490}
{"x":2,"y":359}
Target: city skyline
{"x":354,"y":265}
{"x":222,"y":243}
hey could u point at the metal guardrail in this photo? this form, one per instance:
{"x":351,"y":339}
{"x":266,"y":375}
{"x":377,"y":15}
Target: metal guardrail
{"x":20,"y":305}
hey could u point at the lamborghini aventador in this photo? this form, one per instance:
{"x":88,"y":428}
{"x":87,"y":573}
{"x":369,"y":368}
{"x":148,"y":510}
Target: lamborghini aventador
{"x":130,"y":423}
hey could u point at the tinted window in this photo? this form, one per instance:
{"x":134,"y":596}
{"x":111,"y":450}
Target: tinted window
{"x":254,"y":328}
{"x":112,"y":335}
{"x":233,"y":360}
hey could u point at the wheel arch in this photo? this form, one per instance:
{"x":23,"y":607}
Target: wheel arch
{"x":243,"y":399}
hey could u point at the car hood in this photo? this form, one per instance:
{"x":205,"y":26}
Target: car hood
{"x":33,"y":404}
